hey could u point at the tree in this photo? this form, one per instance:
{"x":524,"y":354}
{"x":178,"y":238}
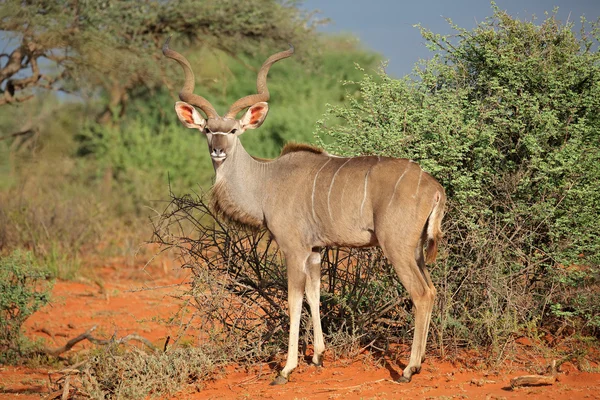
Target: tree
{"x":115,"y":45}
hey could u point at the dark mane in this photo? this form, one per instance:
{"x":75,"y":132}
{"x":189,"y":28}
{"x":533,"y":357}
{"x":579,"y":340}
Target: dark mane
{"x":292,"y":147}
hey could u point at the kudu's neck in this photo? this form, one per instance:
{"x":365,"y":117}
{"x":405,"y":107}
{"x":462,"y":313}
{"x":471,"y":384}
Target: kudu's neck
{"x":240,"y":168}
{"x":241,"y":186}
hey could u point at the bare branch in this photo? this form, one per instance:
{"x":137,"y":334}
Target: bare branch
{"x":69,"y":345}
{"x":87,"y":335}
{"x":10,"y":99}
{"x":14,"y":64}
{"x":19,"y":84}
{"x":15,"y":134}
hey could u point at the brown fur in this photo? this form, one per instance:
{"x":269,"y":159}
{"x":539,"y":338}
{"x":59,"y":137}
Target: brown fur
{"x":224,"y":206}
{"x":292,"y":147}
{"x":262,"y":159}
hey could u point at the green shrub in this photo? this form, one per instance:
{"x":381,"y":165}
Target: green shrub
{"x":506,"y":118}
{"x":24,"y":288}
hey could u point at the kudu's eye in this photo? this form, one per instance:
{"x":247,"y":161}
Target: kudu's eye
{"x":233,"y":131}
{"x":206,"y":130}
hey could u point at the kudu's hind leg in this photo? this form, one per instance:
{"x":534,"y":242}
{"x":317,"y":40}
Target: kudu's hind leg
{"x":296,"y":283}
{"x":313,"y":287}
{"x":423,"y":268}
{"x":422,"y":294}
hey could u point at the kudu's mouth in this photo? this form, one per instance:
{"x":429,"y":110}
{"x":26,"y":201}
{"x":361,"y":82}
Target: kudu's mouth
{"x":218,"y":154}
{"x":219,"y":158}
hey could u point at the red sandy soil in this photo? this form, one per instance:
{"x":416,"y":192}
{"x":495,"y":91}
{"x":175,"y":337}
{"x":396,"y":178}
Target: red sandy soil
{"x":118,"y":306}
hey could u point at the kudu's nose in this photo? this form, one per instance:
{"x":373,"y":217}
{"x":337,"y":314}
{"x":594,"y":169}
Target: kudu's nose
{"x":218,"y":153}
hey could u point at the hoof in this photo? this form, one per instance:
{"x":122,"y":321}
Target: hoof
{"x":411,"y":371}
{"x":280,"y":380}
{"x":318,"y":363}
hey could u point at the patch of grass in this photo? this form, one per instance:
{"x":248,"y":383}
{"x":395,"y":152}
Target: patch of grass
{"x":115,"y":374}
{"x":61,"y":264}
{"x":50,"y":214}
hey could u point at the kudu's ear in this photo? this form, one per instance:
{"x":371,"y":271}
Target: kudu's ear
{"x":189,"y":116}
{"x":255,"y":116}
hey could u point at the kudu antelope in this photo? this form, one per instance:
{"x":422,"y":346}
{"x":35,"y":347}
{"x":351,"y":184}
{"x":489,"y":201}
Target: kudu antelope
{"x":309,"y":199}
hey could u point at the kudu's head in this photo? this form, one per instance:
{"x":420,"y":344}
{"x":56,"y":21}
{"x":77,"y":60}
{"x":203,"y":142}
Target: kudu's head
{"x":221,"y":132}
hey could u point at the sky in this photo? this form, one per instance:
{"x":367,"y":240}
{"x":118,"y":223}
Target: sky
{"x":386,"y":26}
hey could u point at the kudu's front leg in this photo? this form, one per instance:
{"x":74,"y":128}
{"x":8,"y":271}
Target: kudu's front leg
{"x":296,"y":284}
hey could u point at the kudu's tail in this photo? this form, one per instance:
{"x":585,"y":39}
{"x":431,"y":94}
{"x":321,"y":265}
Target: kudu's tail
{"x":434,"y":227}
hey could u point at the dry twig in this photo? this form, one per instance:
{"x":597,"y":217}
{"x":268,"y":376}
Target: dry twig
{"x":64,"y":388}
{"x":87,"y":335}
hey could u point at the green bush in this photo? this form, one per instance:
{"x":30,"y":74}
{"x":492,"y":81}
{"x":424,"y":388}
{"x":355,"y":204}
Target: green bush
{"x":24,"y":288}
{"x":506,"y":118}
